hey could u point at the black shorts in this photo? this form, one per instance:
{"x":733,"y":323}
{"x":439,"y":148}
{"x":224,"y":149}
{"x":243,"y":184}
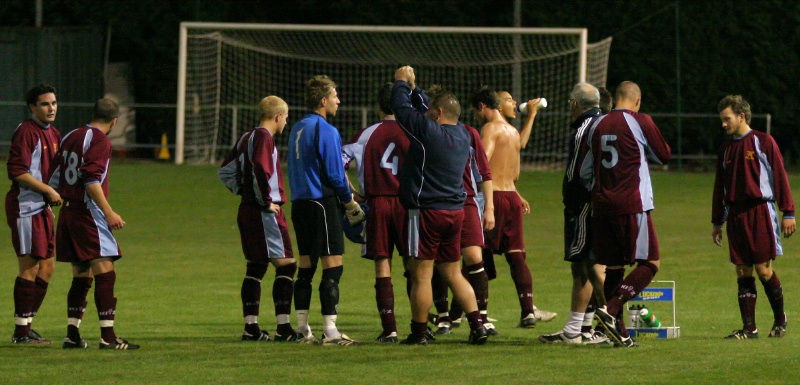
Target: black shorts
{"x":318,"y":227}
{"x":577,"y":234}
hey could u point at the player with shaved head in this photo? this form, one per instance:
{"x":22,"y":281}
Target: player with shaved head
{"x":620,"y":144}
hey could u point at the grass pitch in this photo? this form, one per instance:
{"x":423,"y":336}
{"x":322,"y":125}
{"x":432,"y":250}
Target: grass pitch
{"x":178,"y":288}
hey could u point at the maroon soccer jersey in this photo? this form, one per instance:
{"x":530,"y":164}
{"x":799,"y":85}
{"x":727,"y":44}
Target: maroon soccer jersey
{"x":749,"y":169}
{"x":477,"y":169}
{"x":32,"y":150}
{"x":83,"y":159}
{"x":621,"y":142}
{"x":252,"y":169}
{"x":383,"y":156}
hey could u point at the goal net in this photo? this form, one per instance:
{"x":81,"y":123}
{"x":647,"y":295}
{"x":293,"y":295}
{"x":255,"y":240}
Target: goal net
{"x":226,"y":69}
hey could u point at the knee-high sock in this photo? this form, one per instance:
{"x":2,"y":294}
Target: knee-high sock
{"x":76,"y":305}
{"x":476,"y":275}
{"x":282,"y":291}
{"x":614,"y":278}
{"x":774,"y":292}
{"x":329,"y":290}
{"x":251,"y":293}
{"x":384,"y":297}
{"x":106,"y":304}
{"x":302,"y":288}
{"x":747,"y":301}
{"x":521,"y":275}
{"x":24,"y":293}
{"x":440,"y":300}
{"x":633,"y":284}
{"x":488,"y":263}
{"x":39,"y":293}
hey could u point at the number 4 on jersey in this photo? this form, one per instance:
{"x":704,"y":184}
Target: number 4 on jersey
{"x":393,"y":165}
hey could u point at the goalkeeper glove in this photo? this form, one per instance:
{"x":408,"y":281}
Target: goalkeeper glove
{"x":354,"y":212}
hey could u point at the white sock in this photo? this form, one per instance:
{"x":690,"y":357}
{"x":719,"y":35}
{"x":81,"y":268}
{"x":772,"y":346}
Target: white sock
{"x":573,"y":326}
{"x":282,"y":318}
{"x":302,"y":322}
{"x":329,"y":326}
{"x":251,"y":319}
{"x":588,"y":318}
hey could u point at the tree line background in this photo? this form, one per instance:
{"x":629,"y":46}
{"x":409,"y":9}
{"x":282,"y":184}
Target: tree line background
{"x":726,"y":47}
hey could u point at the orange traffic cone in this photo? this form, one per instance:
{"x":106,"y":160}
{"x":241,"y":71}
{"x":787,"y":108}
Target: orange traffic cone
{"x":163,"y":153}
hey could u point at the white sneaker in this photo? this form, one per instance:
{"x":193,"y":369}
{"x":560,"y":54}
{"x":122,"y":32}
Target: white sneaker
{"x":341,"y":340}
{"x":544,"y":315}
{"x":560,"y":338}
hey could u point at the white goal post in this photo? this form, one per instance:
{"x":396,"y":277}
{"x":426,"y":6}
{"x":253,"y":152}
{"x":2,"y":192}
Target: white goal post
{"x":224,"y":69}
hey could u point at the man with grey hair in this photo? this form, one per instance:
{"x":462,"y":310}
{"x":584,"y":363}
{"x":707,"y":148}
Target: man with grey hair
{"x":586,"y":276}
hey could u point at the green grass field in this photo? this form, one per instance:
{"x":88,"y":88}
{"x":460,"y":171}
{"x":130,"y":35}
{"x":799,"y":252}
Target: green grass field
{"x":178,"y":288}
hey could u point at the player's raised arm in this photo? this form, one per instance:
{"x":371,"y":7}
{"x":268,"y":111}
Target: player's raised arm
{"x":527,"y":127}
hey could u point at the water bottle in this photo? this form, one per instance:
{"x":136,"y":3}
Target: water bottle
{"x":649,"y":318}
{"x":634,"y":316}
{"x":523,"y":108}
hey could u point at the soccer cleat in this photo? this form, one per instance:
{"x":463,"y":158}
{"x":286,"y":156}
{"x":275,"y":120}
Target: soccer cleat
{"x":528,"y":322}
{"x":70,"y":344}
{"x":387,"y":338}
{"x":25,"y":340}
{"x":742,"y":334}
{"x":478,"y":336}
{"x":118,"y":344}
{"x":490,"y":330}
{"x":307,"y":339}
{"x":341,"y":340}
{"x":260,"y":336}
{"x":443,"y":328}
{"x":778,"y":330}
{"x":609,"y":324}
{"x":429,"y":335}
{"x":628,"y":342}
{"x":413,"y":340}
{"x":544,"y":315}
{"x":288,"y":337}
{"x":595,"y":337}
{"x":560,"y":338}
{"x":32,"y":334}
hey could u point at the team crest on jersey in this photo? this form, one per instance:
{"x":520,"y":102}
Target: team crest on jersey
{"x":750,"y":155}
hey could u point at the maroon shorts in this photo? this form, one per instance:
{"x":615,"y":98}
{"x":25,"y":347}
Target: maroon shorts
{"x":83,"y":234}
{"x":385,"y":227}
{"x":753,"y":233}
{"x":435,"y":234}
{"x":507,"y":234}
{"x":33,"y":235}
{"x":472,"y":227}
{"x":264,"y":235}
{"x":619,"y":240}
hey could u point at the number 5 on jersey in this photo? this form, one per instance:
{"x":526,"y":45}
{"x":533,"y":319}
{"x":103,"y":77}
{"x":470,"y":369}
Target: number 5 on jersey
{"x":608,"y":147}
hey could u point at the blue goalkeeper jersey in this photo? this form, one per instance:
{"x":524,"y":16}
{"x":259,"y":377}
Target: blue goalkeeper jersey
{"x":316,"y":170}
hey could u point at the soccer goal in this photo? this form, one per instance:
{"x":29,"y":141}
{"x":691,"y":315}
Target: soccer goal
{"x":225,"y":69}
